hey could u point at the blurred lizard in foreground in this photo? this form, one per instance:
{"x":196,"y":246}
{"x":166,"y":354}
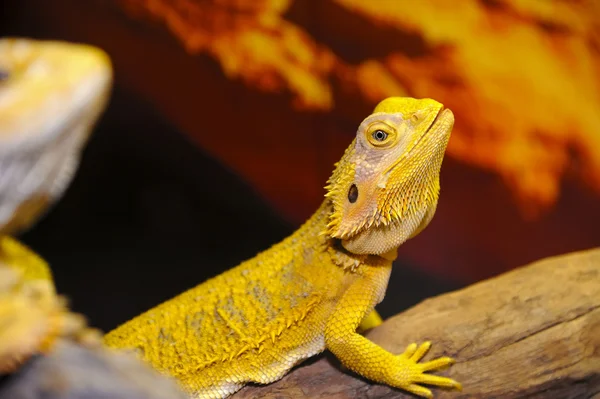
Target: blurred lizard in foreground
{"x":51,"y":94}
{"x":311,"y":291}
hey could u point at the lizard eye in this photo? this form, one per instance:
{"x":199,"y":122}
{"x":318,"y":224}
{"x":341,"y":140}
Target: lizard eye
{"x":379,"y":135}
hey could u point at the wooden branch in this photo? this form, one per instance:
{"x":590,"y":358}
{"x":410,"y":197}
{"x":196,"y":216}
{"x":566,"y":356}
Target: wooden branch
{"x":530,"y":333}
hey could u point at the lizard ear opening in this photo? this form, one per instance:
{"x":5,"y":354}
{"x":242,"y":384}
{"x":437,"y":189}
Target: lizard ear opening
{"x":353,"y":193}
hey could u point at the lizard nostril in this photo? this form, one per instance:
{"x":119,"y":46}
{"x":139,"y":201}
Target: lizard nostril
{"x":353,"y":193}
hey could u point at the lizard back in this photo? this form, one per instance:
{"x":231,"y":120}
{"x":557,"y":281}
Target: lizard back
{"x":267,"y":314}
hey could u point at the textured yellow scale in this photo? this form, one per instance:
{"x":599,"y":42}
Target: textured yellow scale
{"x":311,"y":291}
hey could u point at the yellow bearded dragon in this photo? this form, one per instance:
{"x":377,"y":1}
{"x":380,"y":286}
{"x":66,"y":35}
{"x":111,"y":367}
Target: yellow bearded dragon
{"x":253,"y":323}
{"x":311,"y":291}
{"x":51,"y":93}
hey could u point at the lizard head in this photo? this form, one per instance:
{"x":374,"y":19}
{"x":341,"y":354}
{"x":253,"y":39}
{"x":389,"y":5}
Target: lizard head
{"x":52,"y":93}
{"x":385,"y":188}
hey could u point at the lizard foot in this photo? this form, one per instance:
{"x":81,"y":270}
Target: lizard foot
{"x":407,"y":373}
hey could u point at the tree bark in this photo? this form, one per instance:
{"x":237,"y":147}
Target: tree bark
{"x":533,"y":332}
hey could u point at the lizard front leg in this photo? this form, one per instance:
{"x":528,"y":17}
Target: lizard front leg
{"x":370,"y":360}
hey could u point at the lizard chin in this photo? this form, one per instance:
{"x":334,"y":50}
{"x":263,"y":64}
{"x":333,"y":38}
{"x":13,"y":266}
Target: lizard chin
{"x":384,"y":240}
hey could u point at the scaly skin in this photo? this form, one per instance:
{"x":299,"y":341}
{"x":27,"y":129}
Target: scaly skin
{"x":311,"y":291}
{"x":51,"y":95}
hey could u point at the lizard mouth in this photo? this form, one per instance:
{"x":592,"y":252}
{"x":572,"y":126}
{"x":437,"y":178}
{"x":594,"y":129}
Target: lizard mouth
{"x":443,"y":117}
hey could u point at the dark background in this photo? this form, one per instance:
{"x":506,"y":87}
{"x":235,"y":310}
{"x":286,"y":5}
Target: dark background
{"x":150,"y":214}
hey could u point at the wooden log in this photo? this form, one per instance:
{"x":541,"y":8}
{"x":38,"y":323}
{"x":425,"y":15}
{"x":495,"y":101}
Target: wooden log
{"x":533,"y":332}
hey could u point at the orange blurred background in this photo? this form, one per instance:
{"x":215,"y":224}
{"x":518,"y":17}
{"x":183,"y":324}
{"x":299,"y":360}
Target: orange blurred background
{"x":272,"y":92}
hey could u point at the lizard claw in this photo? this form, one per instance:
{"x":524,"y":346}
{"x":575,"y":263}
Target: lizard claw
{"x":409,"y":373}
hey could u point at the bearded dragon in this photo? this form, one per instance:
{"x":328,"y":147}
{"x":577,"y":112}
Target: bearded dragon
{"x":51,"y":94}
{"x":311,"y":291}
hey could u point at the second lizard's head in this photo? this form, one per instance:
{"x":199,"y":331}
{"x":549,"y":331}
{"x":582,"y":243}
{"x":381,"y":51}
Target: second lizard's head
{"x":385,"y":188}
